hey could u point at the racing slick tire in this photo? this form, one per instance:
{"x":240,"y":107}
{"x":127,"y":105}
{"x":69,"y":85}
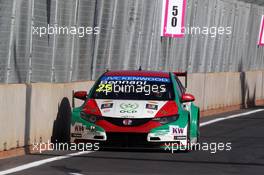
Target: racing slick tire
{"x":62,"y":124}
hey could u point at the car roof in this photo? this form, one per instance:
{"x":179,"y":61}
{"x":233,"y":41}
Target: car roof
{"x":139,"y":73}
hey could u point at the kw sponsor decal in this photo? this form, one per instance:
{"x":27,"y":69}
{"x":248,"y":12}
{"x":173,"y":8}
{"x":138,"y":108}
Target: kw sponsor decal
{"x":175,"y":130}
{"x":78,"y":128}
{"x":128,"y":107}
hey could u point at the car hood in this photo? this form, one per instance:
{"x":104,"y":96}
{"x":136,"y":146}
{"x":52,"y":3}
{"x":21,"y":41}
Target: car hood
{"x":129,"y":108}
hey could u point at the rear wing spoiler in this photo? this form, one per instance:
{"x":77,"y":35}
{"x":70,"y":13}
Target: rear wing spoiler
{"x":182,"y":74}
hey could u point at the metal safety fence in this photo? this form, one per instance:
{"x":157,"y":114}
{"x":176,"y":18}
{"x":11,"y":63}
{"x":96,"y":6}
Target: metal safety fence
{"x":129,"y":37}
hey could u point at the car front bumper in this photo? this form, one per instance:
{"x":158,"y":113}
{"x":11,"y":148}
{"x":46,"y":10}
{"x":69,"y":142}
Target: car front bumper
{"x":158,"y":134}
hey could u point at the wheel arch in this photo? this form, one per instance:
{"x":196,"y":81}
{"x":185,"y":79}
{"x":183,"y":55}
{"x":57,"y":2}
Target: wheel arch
{"x":195,"y":119}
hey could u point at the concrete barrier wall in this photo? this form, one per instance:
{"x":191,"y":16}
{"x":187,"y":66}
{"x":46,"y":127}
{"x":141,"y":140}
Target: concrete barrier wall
{"x":28,"y":111}
{"x":220,"y":90}
{"x":45,"y":102}
{"x":12,"y":115}
{"x":254,"y":85}
{"x":196,"y":86}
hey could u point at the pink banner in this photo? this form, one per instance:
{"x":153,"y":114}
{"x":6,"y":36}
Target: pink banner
{"x":261,"y":35}
{"x":173,"y":13}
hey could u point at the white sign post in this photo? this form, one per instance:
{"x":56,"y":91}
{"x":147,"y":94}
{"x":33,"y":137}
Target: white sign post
{"x":261,"y":34}
{"x":173,"y":12}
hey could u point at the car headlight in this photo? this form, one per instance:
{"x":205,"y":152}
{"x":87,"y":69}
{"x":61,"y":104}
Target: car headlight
{"x":90,"y":118}
{"x":166,"y":120}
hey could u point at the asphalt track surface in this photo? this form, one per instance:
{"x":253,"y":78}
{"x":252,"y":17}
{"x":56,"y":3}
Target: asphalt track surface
{"x":245,"y":133}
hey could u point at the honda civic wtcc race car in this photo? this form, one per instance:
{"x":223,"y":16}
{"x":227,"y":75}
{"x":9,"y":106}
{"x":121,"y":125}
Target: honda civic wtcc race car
{"x":134,"y":107}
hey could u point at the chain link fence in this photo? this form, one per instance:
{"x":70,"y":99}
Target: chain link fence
{"x":129,"y":37}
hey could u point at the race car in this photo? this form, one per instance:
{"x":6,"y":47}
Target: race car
{"x":134,"y":107}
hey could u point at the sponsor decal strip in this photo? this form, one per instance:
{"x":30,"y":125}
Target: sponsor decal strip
{"x":134,"y":78}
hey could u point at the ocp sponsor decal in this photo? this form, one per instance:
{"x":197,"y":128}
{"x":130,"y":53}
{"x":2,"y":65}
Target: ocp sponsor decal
{"x":128,"y":107}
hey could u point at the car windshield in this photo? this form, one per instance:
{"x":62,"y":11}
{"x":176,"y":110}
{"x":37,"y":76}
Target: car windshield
{"x":134,"y":88}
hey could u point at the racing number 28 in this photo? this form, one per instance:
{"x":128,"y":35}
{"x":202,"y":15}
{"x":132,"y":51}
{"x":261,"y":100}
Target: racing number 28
{"x":174,"y":16}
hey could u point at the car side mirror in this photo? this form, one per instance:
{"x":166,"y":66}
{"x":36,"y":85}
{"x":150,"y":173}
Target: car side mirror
{"x":187,"y":98}
{"x":82,"y":95}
